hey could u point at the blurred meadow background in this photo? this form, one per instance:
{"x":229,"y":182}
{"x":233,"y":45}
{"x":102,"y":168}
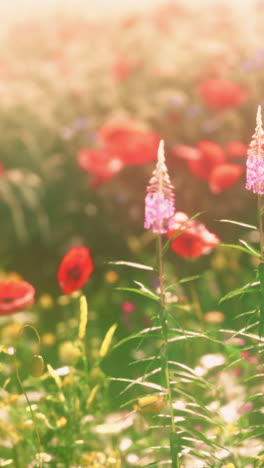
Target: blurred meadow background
{"x":87,"y":91}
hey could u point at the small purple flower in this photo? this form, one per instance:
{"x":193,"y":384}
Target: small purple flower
{"x":255,"y":160}
{"x":193,"y":110}
{"x":249,"y":65}
{"x":80,"y":123}
{"x":159,"y":202}
{"x":158,"y":212}
{"x":210,"y":125}
{"x":255,"y":174}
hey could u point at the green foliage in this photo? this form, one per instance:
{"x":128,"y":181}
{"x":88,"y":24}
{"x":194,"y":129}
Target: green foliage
{"x":176,"y":378}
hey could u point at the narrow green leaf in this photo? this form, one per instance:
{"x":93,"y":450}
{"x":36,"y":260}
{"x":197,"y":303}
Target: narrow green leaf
{"x":148,"y":359}
{"x":253,"y":431}
{"x":149,"y":294}
{"x":244,"y":314}
{"x":250,"y":247}
{"x":16,"y":210}
{"x":197,"y":415}
{"x":247,"y":288}
{"x":132,"y":264}
{"x":147,"y":290}
{"x":256,"y":395}
{"x":185,"y":335}
{"x":143,"y":333}
{"x":129,"y":403}
{"x":237,"y":223}
{"x":188,"y":395}
{"x":166,"y":463}
{"x":203,"y":455}
{"x":242,"y":249}
{"x":144,"y":384}
{"x":190,"y":278}
{"x":256,"y":376}
{"x":247,"y":335}
{"x":239,"y":332}
{"x":207,"y":441}
{"x":141,"y":379}
{"x":190,"y":371}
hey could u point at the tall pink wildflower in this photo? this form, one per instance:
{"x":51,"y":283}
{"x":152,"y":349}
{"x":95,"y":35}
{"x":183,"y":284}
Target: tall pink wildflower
{"x":159,"y":201}
{"x":255,"y":160}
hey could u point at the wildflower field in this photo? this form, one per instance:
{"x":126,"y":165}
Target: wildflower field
{"x":132,"y":239}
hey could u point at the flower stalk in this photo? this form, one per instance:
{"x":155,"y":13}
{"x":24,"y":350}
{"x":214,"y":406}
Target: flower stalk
{"x":165,"y":351}
{"x":159,"y":213}
{"x":255,"y":173}
{"x":159,"y":202}
{"x":38,"y":440}
{"x":261,"y":232}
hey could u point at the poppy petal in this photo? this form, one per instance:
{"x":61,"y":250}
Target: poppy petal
{"x":212,"y":152}
{"x":129,"y":140}
{"x":75,"y":269}
{"x":15,"y":296}
{"x":186,"y":152}
{"x":200,"y":168}
{"x":236,"y":149}
{"x":99,"y":163}
{"x":224,"y":176}
{"x":195,"y":239}
{"x":220,"y":94}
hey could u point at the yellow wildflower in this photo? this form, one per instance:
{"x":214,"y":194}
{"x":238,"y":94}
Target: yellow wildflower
{"x":46,"y":301}
{"x":69,"y":353}
{"x":150,"y":404}
{"x":111,"y":277}
{"x":48,"y":339}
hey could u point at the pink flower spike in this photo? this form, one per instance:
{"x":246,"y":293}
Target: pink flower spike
{"x":255,"y":160}
{"x":159,"y":202}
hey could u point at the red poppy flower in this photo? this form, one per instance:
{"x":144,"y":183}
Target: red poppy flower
{"x":211,"y":154}
{"x":129,"y":140}
{"x":236,"y":149}
{"x":195,"y":239}
{"x":75,"y":269}
{"x":15,"y":296}
{"x":102,"y":165}
{"x":164,"y":17}
{"x":122,"y":69}
{"x":1,"y":169}
{"x":186,"y":152}
{"x":219,"y":93}
{"x":224,"y":176}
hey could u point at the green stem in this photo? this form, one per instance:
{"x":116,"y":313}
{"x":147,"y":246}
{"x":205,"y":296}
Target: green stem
{"x":31,"y":412}
{"x":164,"y":355}
{"x":261,"y":232}
{"x":15,"y":457}
{"x":39,"y":461}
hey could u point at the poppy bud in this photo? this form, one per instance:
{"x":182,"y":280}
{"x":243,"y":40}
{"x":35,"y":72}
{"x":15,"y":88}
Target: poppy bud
{"x":36,"y":366}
